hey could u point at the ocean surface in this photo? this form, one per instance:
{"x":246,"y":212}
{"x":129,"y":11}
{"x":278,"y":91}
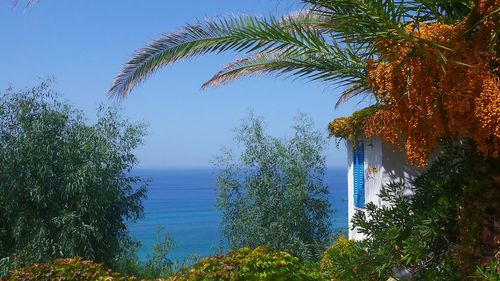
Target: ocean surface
{"x":182,"y":201}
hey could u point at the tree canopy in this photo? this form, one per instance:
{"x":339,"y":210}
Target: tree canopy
{"x":274,"y":193}
{"x":65,"y":190}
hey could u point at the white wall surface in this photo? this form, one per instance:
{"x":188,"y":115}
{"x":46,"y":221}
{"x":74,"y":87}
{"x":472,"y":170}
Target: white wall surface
{"x":382,"y":164}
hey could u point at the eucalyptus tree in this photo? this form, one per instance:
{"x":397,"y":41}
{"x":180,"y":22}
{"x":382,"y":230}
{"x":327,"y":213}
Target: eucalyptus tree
{"x":327,"y":40}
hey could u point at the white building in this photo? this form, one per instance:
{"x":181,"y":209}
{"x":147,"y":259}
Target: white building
{"x":371,"y":165}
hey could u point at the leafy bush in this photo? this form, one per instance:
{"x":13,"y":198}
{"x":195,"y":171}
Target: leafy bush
{"x":274,"y":193}
{"x":248,"y":264}
{"x":446,"y":230}
{"x":72,"y":269}
{"x":347,"y":260}
{"x":64,"y":186}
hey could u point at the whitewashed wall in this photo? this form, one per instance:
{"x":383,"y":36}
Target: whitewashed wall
{"x":382,"y":164}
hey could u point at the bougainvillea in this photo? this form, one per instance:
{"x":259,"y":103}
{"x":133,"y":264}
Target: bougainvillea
{"x":443,"y":83}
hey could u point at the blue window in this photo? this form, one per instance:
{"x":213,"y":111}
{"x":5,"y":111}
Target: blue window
{"x":358,"y":160}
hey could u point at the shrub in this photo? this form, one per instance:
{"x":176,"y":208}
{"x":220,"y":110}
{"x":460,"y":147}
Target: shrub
{"x":247,"y":264}
{"x":447,"y":229}
{"x":274,"y":193}
{"x":347,"y":260}
{"x":72,"y":269}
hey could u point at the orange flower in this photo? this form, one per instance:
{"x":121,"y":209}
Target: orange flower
{"x":427,"y":99}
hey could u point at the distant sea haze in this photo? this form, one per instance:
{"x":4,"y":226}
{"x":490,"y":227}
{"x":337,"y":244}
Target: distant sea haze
{"x":182,"y":201}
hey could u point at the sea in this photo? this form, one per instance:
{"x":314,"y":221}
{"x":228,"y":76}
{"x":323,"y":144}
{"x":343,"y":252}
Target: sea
{"x":182,"y":203}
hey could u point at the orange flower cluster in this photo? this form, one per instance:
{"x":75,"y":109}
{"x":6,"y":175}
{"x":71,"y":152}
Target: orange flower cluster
{"x":442,"y":83}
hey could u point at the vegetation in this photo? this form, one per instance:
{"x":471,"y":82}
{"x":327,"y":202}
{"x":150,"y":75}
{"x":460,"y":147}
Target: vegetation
{"x":242,"y":264}
{"x":352,"y":128}
{"x":273,"y":193}
{"x":158,"y":263}
{"x":347,"y":260}
{"x":247,"y":264}
{"x":421,"y":235}
{"x":64,"y":188}
{"x":432,"y":69}
{"x":330,"y":41}
{"x":447,"y":91}
{"x":73,"y":269}
{"x":432,"y":65}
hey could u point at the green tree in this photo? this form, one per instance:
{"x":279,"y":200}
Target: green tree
{"x":64,"y":185}
{"x":273,"y":193}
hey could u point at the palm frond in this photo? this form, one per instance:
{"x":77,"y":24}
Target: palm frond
{"x":240,"y":34}
{"x":337,"y":66}
{"x":355,"y":89}
{"x":328,"y":40}
{"x":443,"y":10}
{"x":359,"y":21}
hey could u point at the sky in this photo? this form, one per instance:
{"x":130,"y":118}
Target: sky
{"x":83,"y":43}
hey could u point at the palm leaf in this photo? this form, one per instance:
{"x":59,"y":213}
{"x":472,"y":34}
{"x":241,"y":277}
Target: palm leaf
{"x":355,"y":89}
{"x":240,"y":34}
{"x":330,"y":40}
{"x":327,"y":66}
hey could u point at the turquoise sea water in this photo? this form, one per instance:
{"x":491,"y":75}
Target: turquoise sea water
{"x":183,"y":202}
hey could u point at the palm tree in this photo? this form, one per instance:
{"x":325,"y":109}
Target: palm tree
{"x":328,"y":40}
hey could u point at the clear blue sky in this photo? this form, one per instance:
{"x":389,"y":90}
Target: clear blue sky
{"x":83,"y":43}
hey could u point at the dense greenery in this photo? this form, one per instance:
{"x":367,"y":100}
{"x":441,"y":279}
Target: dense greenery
{"x":64,"y":185}
{"x":347,"y":260}
{"x":242,"y":264}
{"x":432,"y":67}
{"x":444,"y":232}
{"x":273,"y":193}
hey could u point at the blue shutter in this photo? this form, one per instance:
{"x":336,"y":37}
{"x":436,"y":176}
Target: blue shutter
{"x":358,"y":160}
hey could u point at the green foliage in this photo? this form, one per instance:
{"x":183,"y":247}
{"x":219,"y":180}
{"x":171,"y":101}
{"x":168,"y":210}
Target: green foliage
{"x":73,"y":269}
{"x":489,"y":272}
{"x":248,"y":264}
{"x":430,"y":235}
{"x":327,"y":40}
{"x":347,"y":260}
{"x":64,"y":187}
{"x":352,"y":128}
{"x":273,"y":194}
{"x":159,"y":265}
{"x":127,"y":262}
